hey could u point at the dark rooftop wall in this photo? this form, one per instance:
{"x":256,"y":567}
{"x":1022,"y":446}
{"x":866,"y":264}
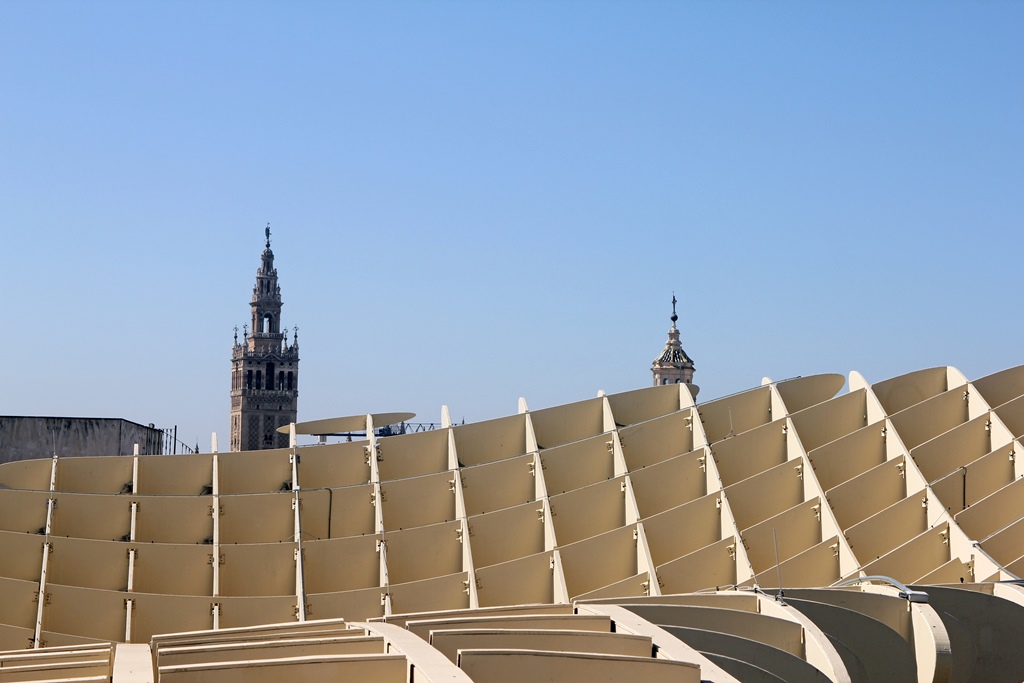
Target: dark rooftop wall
{"x":25,"y":438}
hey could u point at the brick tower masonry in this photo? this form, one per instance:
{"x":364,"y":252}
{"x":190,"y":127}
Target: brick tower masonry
{"x":264,"y":368}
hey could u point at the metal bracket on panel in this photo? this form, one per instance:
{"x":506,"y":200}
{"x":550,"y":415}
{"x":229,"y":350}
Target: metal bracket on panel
{"x":465,"y":586}
{"x":46,"y":598}
{"x":373,"y":498}
{"x":816,"y":509}
{"x":901,"y":468}
{"x":295,"y":554}
{"x":1012,"y":456}
{"x":799,"y":472}
{"x":215,"y":608}
{"x":383,"y":598}
{"x":381,"y":543}
{"x":220,"y":559}
{"x":835,"y":549}
{"x":533,"y":468}
{"x":988,"y":425}
{"x":540,"y":514}
{"x":924,"y":502}
{"x":646,"y":586}
{"x":636,"y":534}
{"x":731,"y":549}
{"x":702,"y":463}
{"x":366,"y":454}
{"x":610,"y":445}
{"x":383,"y":496}
{"x":944,"y":535}
{"x":622,"y":485}
{"x":462,"y":481}
{"x":129,"y":605}
{"x":132,"y":551}
{"x":883,"y":432}
{"x":718,"y":503}
{"x":451,"y":485}
{"x":785,"y":429}
{"x":551,"y":562}
{"x":376,"y":447}
{"x":49,"y":547}
{"x":458,"y":534}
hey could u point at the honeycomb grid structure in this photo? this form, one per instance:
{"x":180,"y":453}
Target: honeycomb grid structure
{"x":643,"y":510}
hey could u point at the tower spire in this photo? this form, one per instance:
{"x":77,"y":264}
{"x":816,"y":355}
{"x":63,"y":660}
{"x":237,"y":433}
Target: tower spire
{"x":264,"y":369}
{"x":673,"y":366}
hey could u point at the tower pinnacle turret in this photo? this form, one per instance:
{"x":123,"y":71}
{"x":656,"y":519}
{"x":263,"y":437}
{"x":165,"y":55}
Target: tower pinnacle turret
{"x":673,"y":366}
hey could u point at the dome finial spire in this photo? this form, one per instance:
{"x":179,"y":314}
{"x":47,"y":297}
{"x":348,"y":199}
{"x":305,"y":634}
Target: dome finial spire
{"x":673,"y":366}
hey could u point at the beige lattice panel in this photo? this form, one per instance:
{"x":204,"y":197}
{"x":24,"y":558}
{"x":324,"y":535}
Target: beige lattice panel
{"x":636,"y":495}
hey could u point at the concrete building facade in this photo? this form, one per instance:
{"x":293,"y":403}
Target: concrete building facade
{"x":264,"y":368}
{"x":26,"y":438}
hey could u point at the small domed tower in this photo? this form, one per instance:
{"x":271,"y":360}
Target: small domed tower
{"x":673,"y":366}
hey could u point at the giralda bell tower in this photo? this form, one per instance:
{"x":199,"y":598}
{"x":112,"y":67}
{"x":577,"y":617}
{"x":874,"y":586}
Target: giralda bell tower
{"x":264,"y":368}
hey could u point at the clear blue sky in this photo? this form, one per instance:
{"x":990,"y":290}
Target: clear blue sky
{"x":473,"y":202}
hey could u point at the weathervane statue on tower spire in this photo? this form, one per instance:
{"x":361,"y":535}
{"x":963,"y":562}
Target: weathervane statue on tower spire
{"x":268,"y":235}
